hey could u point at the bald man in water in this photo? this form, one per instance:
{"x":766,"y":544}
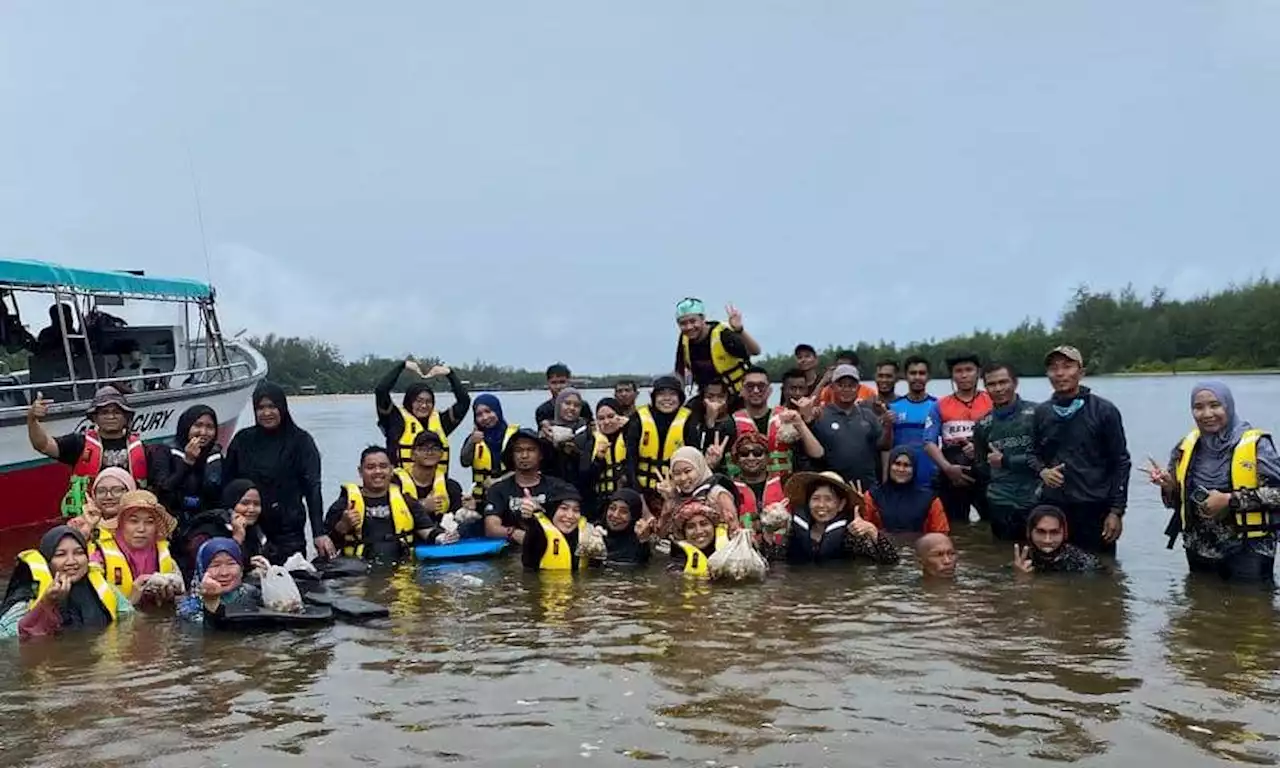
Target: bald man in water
{"x":937,"y":556}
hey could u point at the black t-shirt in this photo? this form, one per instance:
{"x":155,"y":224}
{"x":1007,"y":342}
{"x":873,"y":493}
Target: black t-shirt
{"x":547,"y":412}
{"x":503,"y":499}
{"x":704,"y":371}
{"x":454,"y":489}
{"x":115,"y":450}
{"x":379,"y":530}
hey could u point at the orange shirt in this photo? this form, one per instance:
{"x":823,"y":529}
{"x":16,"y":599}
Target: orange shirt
{"x":865,"y":392}
{"x":934,"y":522}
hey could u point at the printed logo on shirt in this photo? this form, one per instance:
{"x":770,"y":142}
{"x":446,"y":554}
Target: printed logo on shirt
{"x":378,"y":511}
{"x":117,"y":457}
{"x":957,"y":431}
{"x":513,"y":504}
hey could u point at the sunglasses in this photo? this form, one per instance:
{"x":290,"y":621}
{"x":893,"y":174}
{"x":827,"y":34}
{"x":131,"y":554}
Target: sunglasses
{"x":752,"y":453}
{"x":755,"y":386}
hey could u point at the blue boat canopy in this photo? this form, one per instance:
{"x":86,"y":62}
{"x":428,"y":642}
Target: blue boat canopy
{"x":39,"y":275}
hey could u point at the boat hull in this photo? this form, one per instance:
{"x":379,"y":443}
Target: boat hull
{"x":32,"y":486}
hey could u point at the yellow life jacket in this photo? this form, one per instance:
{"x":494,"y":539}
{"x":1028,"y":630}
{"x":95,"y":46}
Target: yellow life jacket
{"x":401,"y":518}
{"x":558,"y":555}
{"x":116,"y":568}
{"x":43,"y":577}
{"x":615,"y":464}
{"x":439,"y":489}
{"x":695,"y":562}
{"x":732,"y":370}
{"x":1244,"y":475}
{"x":483,"y":462}
{"x":412,"y":427}
{"x":652,"y":456}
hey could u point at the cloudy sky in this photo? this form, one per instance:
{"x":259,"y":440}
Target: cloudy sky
{"x":521,"y":182}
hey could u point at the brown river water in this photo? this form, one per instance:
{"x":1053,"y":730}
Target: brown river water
{"x":483,"y":664}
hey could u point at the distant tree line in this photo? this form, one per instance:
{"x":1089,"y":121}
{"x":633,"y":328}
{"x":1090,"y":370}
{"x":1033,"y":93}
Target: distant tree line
{"x":1235,"y":329}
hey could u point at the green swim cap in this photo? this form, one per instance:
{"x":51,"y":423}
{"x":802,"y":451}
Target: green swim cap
{"x":690,"y":306}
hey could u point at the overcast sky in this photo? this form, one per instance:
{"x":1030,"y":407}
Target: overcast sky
{"x":524,"y":182}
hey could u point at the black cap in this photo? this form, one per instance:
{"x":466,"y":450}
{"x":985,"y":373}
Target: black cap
{"x":427,"y":438}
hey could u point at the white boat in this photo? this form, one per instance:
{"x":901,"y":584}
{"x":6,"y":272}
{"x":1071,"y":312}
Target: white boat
{"x":166,"y":368}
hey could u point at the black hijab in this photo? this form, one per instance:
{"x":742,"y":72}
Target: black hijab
{"x":186,"y":421}
{"x":234,"y":492}
{"x":903,"y":506}
{"x":255,"y":540}
{"x":82,"y":608}
{"x":624,"y":546}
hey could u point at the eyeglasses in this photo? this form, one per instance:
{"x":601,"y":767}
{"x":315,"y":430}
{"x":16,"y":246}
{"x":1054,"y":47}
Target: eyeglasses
{"x":110,"y":493}
{"x":429,"y":449}
{"x":752,"y":453}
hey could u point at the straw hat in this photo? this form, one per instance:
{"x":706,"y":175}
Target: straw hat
{"x":801,"y":485}
{"x":165,"y":523}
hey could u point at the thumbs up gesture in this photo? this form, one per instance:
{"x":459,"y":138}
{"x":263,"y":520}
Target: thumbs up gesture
{"x":528,"y":505}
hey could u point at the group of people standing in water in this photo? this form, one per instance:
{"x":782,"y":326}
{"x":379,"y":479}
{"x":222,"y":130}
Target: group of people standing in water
{"x":837,"y":469}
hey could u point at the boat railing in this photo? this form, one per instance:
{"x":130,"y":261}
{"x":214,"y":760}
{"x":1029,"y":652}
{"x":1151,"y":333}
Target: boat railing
{"x":90,"y":384}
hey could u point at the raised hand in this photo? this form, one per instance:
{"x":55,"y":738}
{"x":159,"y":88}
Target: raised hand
{"x":1022,"y":559}
{"x":238,"y":527}
{"x":438,"y":370}
{"x":715,"y":451}
{"x":191,"y":453}
{"x":58,"y":590}
{"x":665,"y":486}
{"x":412,"y":365}
{"x":734,"y":316}
{"x":209,"y":587}
{"x":39,"y":408}
{"x":528,"y":505}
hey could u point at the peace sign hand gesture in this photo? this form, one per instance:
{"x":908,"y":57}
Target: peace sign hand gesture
{"x":715,"y":451}
{"x":734,"y":316}
{"x":1022,"y":559}
{"x":665,"y":486}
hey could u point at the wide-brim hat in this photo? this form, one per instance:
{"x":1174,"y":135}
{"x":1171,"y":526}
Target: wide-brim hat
{"x":165,"y":522}
{"x":105,"y":396}
{"x":801,"y":485}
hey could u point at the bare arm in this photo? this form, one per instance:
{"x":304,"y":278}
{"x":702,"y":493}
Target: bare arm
{"x":36,"y":433}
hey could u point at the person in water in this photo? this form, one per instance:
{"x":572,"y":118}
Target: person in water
{"x":757,"y":488}
{"x":627,"y":528}
{"x":713,"y":351}
{"x":936,"y":555}
{"x":427,"y":481}
{"x":826,"y":393}
{"x":482,"y":451}
{"x":698,"y":535}
{"x":219,"y":582}
{"x":948,"y":439}
{"x":187,"y":478}
{"x":551,"y":542}
{"x":911,"y":415}
{"x":417,"y":412}
{"x":139,"y":548}
{"x":375,"y":520}
{"x":1002,"y":454}
{"x":282,"y":460}
{"x":827,"y":525}
{"x":102,"y":506}
{"x":711,"y":427}
{"x":1049,"y":551}
{"x":53,"y":589}
{"x":654,"y":435}
{"x":570,"y":435}
{"x":850,"y":433}
{"x":504,"y":504}
{"x":691,"y":478}
{"x":774,"y":422}
{"x":605,"y":466}
{"x":625,"y":391}
{"x":1082,"y":457}
{"x":1223,"y":485}
{"x":558,"y":375}
{"x":899,"y":505}
{"x":239,"y":516}
{"x":108,"y":443}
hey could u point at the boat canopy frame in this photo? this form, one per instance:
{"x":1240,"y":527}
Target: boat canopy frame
{"x":67,"y":284}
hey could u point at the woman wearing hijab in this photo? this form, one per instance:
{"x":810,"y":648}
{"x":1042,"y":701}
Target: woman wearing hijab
{"x":626,"y":531}
{"x":711,"y":427}
{"x":219,"y":582}
{"x":901,"y":506}
{"x":691,"y":479}
{"x":238,"y":516}
{"x":605,"y":466}
{"x":282,"y":460}
{"x":827,"y":525}
{"x":138,"y":549}
{"x":482,"y":450}
{"x":1223,"y":485}
{"x":571,"y":436}
{"x":102,"y":505}
{"x":417,"y":412}
{"x":187,"y":479}
{"x":52,"y":589}
{"x":1049,"y":551}
{"x":551,"y":543}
